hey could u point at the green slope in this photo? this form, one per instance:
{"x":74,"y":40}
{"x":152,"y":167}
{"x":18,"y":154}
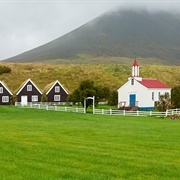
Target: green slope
{"x":112,"y":76}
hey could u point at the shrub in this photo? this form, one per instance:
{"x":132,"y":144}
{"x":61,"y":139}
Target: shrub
{"x":174,"y":117}
{"x":13,"y":99}
{"x":4,"y":69}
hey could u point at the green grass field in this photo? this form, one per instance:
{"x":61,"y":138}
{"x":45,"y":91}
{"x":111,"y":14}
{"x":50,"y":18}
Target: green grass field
{"x":39,"y":144}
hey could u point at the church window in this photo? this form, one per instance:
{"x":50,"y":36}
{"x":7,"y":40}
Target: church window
{"x":132,"y":81}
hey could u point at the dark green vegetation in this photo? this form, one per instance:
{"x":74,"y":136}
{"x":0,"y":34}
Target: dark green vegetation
{"x":175,"y":93}
{"x":4,"y":69}
{"x":39,"y":144}
{"x":87,"y":88}
{"x":164,"y":102}
{"x":115,"y":37}
{"x":70,"y":76}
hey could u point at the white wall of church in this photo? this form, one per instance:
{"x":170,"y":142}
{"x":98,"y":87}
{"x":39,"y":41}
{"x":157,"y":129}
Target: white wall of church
{"x":145,"y":97}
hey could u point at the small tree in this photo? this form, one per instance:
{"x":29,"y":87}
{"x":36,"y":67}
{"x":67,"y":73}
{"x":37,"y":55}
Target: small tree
{"x":86,"y":89}
{"x":164,"y":102}
{"x":175,"y":97}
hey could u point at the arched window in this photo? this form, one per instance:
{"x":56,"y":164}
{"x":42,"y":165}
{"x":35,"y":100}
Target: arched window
{"x":153,"y":96}
{"x":132,"y":81}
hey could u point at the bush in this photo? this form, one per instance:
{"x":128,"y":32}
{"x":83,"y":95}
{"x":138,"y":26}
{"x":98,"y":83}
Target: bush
{"x":13,"y":99}
{"x":174,"y":117}
{"x":4,"y":69}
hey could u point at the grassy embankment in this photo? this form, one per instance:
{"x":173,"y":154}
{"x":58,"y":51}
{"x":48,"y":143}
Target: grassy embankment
{"x":39,"y":144}
{"x":112,"y":76}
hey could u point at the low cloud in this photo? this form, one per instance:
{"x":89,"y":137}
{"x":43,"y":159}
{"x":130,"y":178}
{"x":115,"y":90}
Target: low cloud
{"x":28,"y":24}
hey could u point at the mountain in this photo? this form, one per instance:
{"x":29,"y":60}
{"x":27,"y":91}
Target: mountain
{"x":120,"y":33}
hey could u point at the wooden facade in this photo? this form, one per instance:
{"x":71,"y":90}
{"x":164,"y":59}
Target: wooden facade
{"x":57,"y":93}
{"x":29,"y":93}
{"x":5,"y":94}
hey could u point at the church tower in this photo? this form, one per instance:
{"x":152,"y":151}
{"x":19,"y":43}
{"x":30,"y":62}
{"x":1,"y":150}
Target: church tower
{"x":135,"y":72}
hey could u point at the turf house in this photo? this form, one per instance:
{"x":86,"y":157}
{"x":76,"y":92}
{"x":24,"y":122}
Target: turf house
{"x":5,"y":94}
{"x":56,"y":93}
{"x":28,"y":92}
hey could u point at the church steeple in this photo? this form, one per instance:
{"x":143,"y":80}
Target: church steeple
{"x":135,"y":69}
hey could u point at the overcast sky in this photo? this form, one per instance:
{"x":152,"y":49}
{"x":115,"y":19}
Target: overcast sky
{"x":26,"y":24}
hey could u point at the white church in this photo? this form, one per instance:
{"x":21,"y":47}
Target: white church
{"x":141,"y":92}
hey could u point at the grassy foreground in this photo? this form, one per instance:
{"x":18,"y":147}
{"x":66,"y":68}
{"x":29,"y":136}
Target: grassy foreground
{"x":39,"y":144}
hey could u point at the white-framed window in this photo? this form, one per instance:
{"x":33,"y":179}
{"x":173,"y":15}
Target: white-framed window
{"x":5,"y":99}
{"x":153,"y":96}
{"x":34,"y":98}
{"x":57,"y":97}
{"x":1,"y":90}
{"x":57,"y":89}
{"x":132,"y":81}
{"x":29,"y":87}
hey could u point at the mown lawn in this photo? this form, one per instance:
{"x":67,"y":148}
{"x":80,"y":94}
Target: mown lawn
{"x":39,"y":144}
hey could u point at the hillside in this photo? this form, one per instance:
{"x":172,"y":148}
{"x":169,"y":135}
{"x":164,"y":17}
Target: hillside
{"x":112,"y":76}
{"x":113,"y":37}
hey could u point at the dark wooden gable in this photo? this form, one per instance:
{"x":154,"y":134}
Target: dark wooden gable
{"x":57,"y":90}
{"x":5,"y":95}
{"x":29,"y":93}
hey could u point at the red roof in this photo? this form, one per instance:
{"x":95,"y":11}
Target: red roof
{"x":135,"y":63}
{"x":152,"y":83}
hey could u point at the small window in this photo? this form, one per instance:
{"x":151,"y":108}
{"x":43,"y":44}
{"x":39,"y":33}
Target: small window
{"x":1,"y":89}
{"x":5,"y":99}
{"x":29,"y":87}
{"x":35,"y":98}
{"x":56,"y":97}
{"x":153,"y":96}
{"x":57,"y":89}
{"x":132,"y":81}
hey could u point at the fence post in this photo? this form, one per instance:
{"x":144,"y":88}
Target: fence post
{"x":55,"y":108}
{"x":39,"y":106}
{"x":137,"y":113}
{"x":30,"y":104}
{"x":65,"y":108}
{"x":172,"y":112}
{"x":46,"y":107}
{"x":110,"y":111}
{"x":102,"y":111}
{"x":166,"y":113}
{"x":150,"y":113}
{"x":76,"y":109}
{"x":124,"y":112}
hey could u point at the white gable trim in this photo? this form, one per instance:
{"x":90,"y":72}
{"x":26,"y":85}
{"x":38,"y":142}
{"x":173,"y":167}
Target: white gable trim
{"x":29,"y":80}
{"x":6,"y":88}
{"x":54,"y":85}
